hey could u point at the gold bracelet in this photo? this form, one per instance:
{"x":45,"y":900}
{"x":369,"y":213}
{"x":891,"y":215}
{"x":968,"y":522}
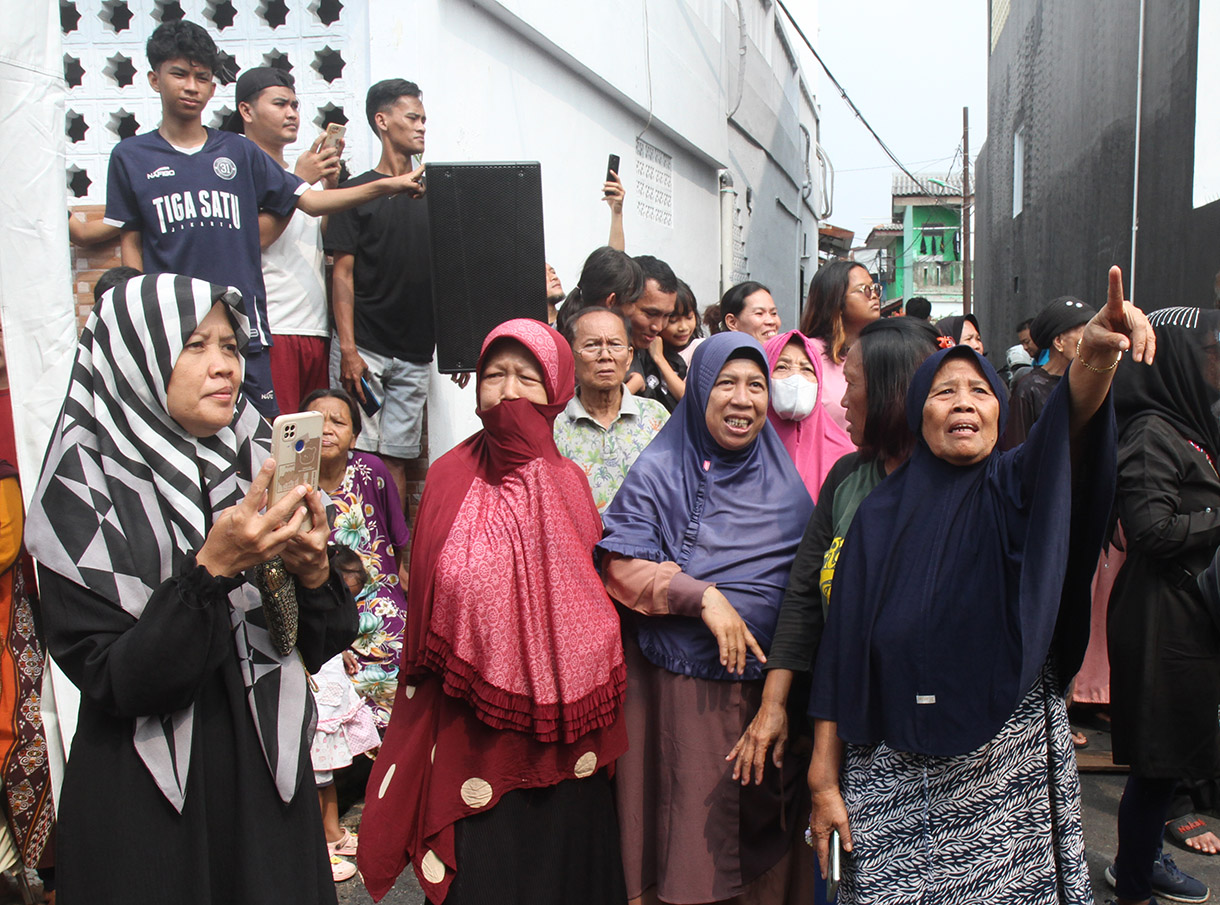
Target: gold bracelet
{"x":1080,"y":359}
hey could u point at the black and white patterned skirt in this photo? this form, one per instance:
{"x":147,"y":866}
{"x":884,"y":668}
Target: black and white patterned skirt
{"x":998,"y":825}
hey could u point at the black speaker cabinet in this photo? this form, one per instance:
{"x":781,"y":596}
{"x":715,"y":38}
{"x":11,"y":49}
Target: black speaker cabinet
{"x":488,"y":258}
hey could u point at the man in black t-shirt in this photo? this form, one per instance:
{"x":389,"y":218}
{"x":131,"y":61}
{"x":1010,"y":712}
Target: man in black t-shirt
{"x":382,"y":290}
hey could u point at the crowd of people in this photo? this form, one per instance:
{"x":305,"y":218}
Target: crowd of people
{"x":690,"y":619}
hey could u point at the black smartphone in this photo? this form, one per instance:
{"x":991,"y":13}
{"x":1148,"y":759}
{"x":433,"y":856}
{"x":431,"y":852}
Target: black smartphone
{"x":612,"y":167}
{"x":370,"y":404}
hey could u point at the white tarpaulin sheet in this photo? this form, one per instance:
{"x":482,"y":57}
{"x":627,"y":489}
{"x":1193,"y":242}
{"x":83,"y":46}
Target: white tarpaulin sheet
{"x":36,"y":306}
{"x":1207,"y":107}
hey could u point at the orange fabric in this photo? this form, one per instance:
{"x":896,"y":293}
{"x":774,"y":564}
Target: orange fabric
{"x":12,"y":520}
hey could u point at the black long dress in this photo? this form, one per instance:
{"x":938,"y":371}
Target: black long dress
{"x":1164,"y":644}
{"x":235,"y":841}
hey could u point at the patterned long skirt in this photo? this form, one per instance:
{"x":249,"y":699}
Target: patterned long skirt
{"x":998,"y":825}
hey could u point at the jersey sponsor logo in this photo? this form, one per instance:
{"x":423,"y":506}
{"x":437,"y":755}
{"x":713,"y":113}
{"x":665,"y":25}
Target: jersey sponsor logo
{"x":159,"y":172}
{"x":225,"y":168}
{"x":205,"y":207}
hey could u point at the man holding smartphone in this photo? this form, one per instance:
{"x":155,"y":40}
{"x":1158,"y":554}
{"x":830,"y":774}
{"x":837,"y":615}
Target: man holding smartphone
{"x":293,"y":261}
{"x":382,"y":289}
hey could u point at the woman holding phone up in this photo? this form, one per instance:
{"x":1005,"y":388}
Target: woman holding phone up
{"x":185,"y":781}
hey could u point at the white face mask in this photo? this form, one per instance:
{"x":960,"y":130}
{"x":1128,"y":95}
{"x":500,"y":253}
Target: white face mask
{"x":793,"y":398}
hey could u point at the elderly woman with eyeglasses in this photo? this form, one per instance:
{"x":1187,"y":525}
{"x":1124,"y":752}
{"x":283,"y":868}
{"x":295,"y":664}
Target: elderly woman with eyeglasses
{"x":843,"y":300}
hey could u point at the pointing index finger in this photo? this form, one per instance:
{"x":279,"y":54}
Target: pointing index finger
{"x":1114,"y":300}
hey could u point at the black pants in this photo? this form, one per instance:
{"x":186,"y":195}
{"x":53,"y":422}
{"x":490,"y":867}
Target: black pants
{"x":1141,"y":826}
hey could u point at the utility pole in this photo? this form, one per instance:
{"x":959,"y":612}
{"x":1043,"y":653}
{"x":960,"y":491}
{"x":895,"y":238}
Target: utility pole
{"x":966,"y":281}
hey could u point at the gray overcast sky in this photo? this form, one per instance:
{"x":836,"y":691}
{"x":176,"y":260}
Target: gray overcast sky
{"x":910,"y":67}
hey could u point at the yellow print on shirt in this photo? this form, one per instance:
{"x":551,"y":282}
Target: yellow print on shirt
{"x":829,"y":560}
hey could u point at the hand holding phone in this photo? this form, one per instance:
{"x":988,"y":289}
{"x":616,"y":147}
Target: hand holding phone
{"x":296,"y":446}
{"x":612,"y":166}
{"x":334,"y":135}
{"x":836,"y":867}
{"x":370,"y":403}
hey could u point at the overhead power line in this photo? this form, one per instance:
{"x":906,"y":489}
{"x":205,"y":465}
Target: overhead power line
{"x":856,"y":110}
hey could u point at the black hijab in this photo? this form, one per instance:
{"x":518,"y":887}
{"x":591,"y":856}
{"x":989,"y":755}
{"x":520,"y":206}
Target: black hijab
{"x":952,"y":326}
{"x":1175,"y":387}
{"x":956,"y":582}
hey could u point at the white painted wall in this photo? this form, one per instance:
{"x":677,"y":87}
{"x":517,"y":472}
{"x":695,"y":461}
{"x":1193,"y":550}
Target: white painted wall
{"x":563,"y":83}
{"x":566,"y":84}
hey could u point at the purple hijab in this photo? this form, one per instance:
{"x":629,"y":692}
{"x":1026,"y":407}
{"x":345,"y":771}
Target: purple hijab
{"x":955,"y":583}
{"x":733,"y":518}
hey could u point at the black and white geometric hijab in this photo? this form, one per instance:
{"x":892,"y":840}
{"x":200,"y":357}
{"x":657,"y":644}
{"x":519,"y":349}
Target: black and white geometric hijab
{"x":126,"y":494}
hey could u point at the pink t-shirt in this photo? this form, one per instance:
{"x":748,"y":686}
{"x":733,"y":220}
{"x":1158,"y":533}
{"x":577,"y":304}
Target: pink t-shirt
{"x":834,"y":385}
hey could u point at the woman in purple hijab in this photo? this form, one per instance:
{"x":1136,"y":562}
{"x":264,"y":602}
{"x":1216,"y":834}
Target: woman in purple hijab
{"x":698,"y":544}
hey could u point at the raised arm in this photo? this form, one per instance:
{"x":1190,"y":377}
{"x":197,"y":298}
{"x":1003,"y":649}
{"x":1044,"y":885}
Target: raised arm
{"x":1115,"y":329}
{"x":613,"y":194}
{"x":320,"y":202}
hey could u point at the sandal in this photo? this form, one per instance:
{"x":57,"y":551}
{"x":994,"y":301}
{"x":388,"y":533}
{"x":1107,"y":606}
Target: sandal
{"x":341,"y":870}
{"x":345,"y":846}
{"x":1079,"y":739}
{"x":1187,"y":827}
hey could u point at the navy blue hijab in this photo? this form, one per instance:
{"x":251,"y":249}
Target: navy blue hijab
{"x":732,"y":518}
{"x":956,"y":582}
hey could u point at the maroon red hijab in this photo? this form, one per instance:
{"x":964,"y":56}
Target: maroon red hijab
{"x":502,"y":564}
{"x":507,"y":615}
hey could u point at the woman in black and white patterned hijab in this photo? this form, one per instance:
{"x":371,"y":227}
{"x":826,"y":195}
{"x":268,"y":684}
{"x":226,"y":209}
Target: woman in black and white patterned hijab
{"x":184,"y":782}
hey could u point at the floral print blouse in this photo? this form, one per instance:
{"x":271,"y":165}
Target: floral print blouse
{"x":369,"y":520}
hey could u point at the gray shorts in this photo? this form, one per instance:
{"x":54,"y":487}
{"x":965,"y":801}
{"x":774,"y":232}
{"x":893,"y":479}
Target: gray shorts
{"x":402,"y":389}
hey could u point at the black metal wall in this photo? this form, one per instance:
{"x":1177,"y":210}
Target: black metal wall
{"x":1066,"y":69}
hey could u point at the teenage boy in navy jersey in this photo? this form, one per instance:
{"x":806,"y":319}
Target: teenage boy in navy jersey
{"x":187,"y":198}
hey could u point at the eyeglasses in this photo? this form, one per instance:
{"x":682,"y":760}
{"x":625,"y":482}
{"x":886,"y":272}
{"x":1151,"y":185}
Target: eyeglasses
{"x":593,"y":351}
{"x":872,"y":290}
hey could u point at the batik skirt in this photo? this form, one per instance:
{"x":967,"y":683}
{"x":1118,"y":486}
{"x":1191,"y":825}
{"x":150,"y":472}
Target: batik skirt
{"x":998,"y":825}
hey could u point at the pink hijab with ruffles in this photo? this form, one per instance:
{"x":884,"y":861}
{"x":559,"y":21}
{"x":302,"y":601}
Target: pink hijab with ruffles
{"x":816,"y":442}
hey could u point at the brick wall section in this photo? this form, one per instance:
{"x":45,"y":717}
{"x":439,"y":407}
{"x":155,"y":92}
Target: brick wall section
{"x":90,"y":263}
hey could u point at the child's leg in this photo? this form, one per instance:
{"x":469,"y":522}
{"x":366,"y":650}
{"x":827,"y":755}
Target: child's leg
{"x":328,"y":799}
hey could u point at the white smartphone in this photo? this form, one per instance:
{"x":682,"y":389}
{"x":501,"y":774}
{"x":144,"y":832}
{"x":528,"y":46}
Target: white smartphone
{"x":296,"y":446}
{"x":836,"y":867}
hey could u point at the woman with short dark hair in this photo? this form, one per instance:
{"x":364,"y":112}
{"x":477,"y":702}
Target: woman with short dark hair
{"x":749,"y":308}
